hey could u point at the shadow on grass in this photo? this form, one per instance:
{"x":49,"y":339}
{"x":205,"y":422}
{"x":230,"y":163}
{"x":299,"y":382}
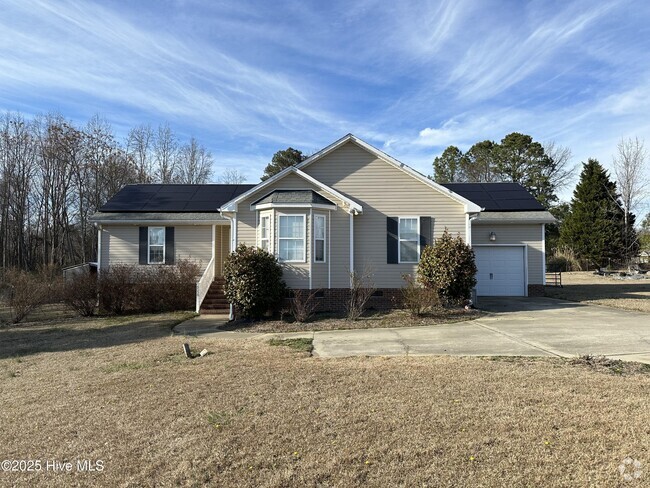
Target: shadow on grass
{"x":95,"y":333}
{"x":638,"y":290}
{"x":523,"y":304}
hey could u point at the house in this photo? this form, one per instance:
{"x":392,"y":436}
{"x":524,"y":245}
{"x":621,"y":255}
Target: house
{"x":347,"y":207}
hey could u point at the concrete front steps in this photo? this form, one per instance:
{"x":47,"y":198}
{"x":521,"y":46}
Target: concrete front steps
{"x":215,"y":301}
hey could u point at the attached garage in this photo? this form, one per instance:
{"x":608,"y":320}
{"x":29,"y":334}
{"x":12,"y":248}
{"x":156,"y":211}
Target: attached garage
{"x":501,"y":270}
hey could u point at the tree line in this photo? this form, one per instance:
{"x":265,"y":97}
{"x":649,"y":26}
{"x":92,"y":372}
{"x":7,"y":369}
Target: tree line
{"x":54,"y":175}
{"x":598,"y":225}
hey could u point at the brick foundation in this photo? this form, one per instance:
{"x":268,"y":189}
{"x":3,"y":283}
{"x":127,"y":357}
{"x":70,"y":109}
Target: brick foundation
{"x":535,"y":290}
{"x":335,"y":299}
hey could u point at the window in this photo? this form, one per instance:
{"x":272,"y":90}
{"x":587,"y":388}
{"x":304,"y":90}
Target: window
{"x":156,"y":245}
{"x":291,"y":238}
{"x":319,"y":238}
{"x":265,"y":232}
{"x":409,"y":239}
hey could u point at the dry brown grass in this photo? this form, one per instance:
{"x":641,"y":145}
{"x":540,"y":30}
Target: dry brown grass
{"x":586,"y":287}
{"x":250,"y":414}
{"x":376,"y":320}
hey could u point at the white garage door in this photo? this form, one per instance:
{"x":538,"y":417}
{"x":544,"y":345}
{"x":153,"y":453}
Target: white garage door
{"x":501,"y":271}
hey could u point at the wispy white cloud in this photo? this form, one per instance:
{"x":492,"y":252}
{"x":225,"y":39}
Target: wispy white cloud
{"x":251,"y":77}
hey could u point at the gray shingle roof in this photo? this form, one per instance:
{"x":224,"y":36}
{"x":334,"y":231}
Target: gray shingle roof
{"x":294,"y":196}
{"x":173,"y":198}
{"x":497,"y":197}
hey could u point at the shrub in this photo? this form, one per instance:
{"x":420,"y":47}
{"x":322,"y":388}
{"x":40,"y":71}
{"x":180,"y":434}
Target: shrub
{"x":418,"y":299}
{"x":115,"y":287}
{"x":151,"y":289}
{"x":80,"y":294}
{"x":564,"y":259}
{"x":254,"y":282}
{"x":361,"y":289}
{"x":303,"y":305}
{"x":166,"y":288}
{"x":449,"y":267}
{"x":26,"y":293}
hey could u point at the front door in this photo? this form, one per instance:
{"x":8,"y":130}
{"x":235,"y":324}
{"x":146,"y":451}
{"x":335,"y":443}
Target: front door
{"x":222,"y":248}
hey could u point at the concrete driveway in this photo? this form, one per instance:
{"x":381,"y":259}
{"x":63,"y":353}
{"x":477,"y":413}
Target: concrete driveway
{"x":515,"y":327}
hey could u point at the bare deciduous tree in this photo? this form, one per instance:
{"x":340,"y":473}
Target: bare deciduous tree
{"x":193,"y":164}
{"x":165,"y":149}
{"x":561,"y":172}
{"x":630,"y":167}
{"x":54,"y":176}
{"x":232,"y":176}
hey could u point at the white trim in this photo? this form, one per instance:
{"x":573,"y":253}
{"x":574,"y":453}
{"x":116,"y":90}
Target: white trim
{"x":159,"y":223}
{"x":351,"y":247}
{"x":468,"y":228}
{"x":267,"y":206}
{"x":329,"y":248}
{"x":214,"y":252}
{"x":544,"y":254}
{"x":324,"y":239}
{"x":399,"y":240}
{"x":164,"y":244}
{"x":525,"y":246}
{"x":233,"y":233}
{"x":304,"y":237}
{"x":469,"y":205}
{"x":310,"y":255}
{"x":231,"y":206}
{"x":99,"y":249}
{"x":260,"y":217}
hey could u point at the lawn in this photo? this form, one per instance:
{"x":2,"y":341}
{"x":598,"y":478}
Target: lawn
{"x":611,"y":291}
{"x":255,"y":414}
{"x":370,"y":320}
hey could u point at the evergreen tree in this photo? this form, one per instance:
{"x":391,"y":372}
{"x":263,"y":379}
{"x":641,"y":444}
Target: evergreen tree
{"x":447,"y":166}
{"x":594,"y":228}
{"x":281,"y":160}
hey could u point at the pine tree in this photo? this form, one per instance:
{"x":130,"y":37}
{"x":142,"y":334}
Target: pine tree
{"x":594,"y":228}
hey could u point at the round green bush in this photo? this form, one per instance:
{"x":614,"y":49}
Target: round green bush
{"x":253,"y":281}
{"x":448,"y":266}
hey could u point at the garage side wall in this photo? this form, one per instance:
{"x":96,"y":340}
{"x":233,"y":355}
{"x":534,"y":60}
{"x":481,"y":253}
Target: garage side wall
{"x":528,"y":234}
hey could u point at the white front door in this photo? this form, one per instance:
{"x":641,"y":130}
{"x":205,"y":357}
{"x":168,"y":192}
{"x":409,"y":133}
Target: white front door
{"x":501,"y":271}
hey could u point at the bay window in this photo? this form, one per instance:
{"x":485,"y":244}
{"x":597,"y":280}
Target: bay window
{"x":291,"y":238}
{"x":319,"y":238}
{"x":265,"y":232}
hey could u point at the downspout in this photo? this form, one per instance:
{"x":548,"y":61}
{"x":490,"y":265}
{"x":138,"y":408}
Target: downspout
{"x":544,"y":254}
{"x":468,"y":228}
{"x":352,"y":212}
{"x":99,"y":248}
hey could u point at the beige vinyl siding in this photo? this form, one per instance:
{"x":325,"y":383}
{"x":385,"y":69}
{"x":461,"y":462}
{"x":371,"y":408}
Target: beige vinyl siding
{"x":529,"y":234}
{"x":383,"y":191}
{"x":194,"y":243}
{"x":296,"y":275}
{"x":120,"y":244}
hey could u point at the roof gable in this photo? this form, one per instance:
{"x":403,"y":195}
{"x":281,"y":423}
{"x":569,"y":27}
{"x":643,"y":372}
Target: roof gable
{"x":352,"y":206}
{"x":469,"y":205}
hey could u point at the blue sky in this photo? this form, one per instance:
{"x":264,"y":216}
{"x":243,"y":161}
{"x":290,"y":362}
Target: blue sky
{"x":249,"y":78}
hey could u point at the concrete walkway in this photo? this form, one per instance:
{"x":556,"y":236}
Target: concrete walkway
{"x":514,"y":327}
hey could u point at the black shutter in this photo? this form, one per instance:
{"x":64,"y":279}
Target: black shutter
{"x":425,"y":232}
{"x":392,"y":224}
{"x":169,"y":245}
{"x":144,"y":245}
